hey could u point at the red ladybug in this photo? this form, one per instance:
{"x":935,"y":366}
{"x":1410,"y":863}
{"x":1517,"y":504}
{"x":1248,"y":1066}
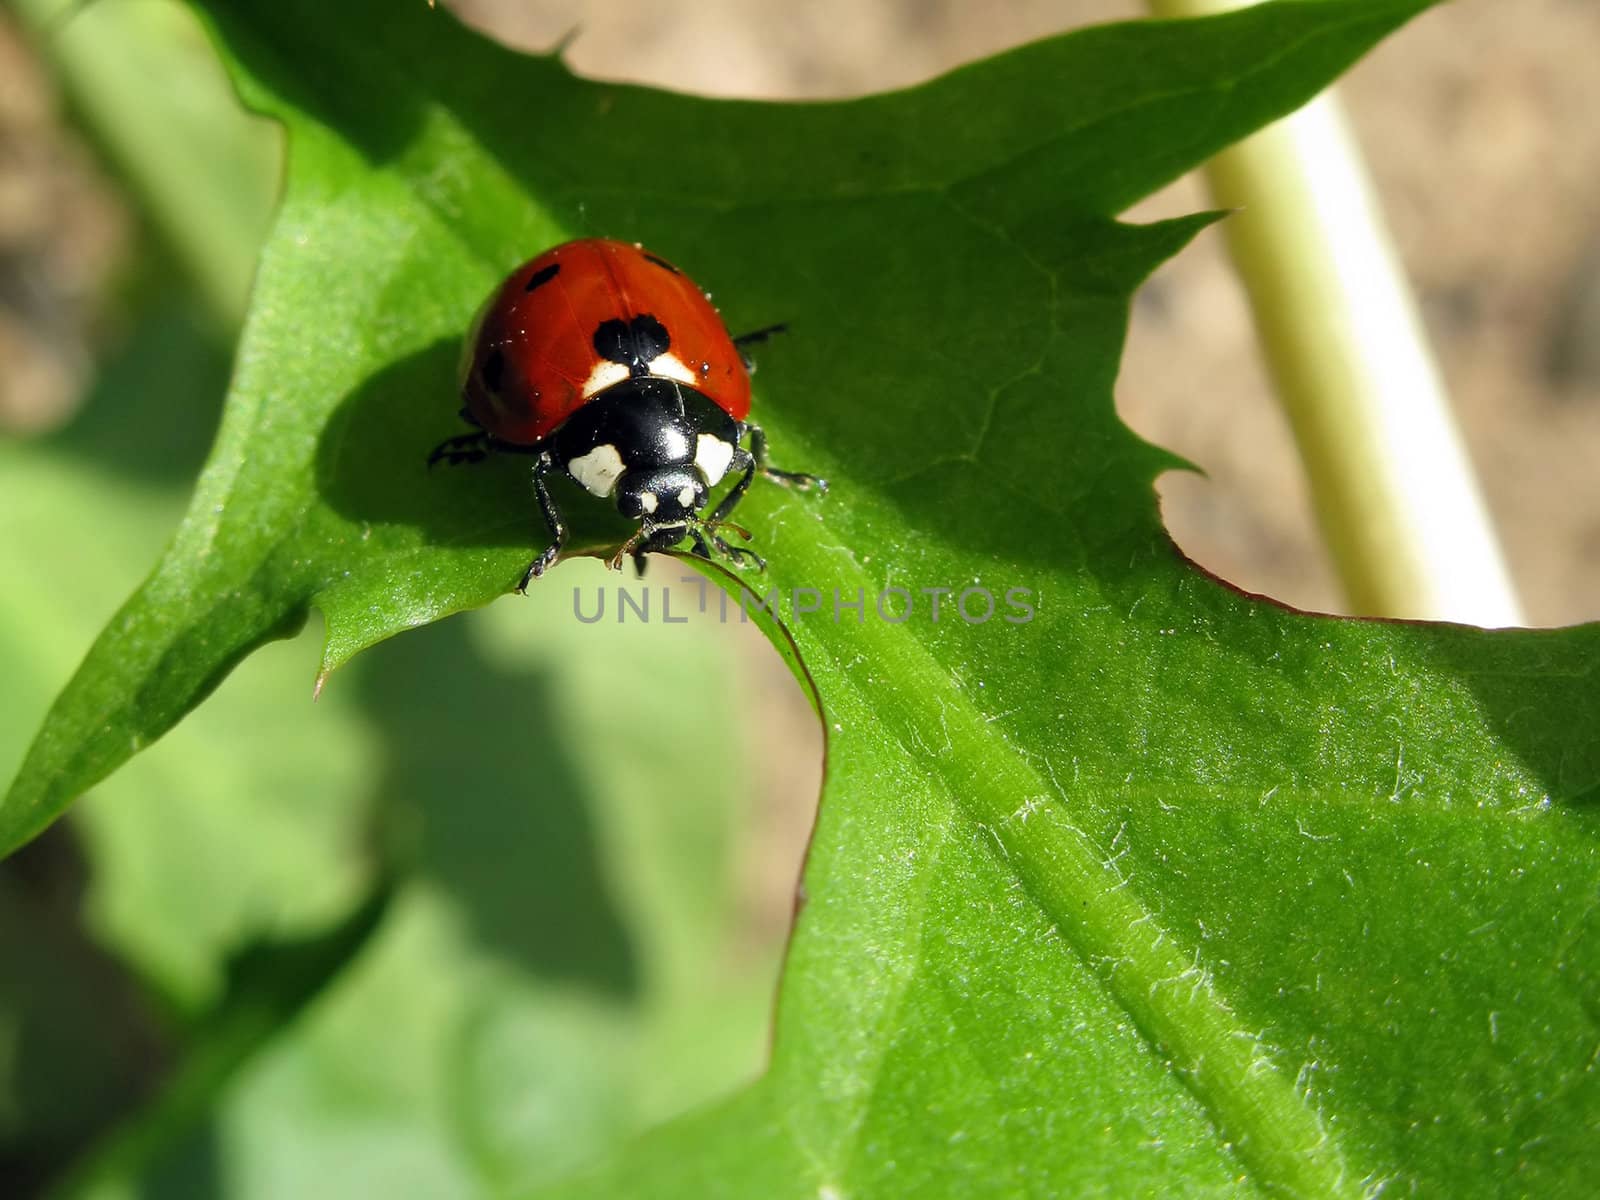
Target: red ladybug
{"x":608,"y":363}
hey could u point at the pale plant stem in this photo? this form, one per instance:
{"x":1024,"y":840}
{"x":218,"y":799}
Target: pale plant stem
{"x":1390,"y":478}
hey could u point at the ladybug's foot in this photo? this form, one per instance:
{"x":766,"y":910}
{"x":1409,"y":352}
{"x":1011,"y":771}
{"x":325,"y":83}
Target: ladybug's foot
{"x":794,"y":479}
{"x":754,"y":338}
{"x":736,"y":554}
{"x":464,"y":448}
{"x":797,"y":479}
{"x":539,"y":566}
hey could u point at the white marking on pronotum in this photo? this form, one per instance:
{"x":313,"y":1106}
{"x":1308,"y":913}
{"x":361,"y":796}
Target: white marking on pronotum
{"x":597,"y":470}
{"x":670,"y":366}
{"x":604,"y":375}
{"x":686,"y":495}
{"x":648,"y":502}
{"x":712,"y":455}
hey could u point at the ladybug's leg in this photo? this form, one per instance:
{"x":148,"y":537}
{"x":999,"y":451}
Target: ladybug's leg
{"x":737,"y":553}
{"x":749,"y":463}
{"x":468,"y":447}
{"x":552,"y":518}
{"x":741,"y":461}
{"x":475,"y":447}
{"x":465,"y":448}
{"x":754,"y":338}
{"x":758,"y":448}
{"x":753,"y":460}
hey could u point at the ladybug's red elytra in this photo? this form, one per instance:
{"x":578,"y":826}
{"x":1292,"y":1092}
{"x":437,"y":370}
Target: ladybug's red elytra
{"x":606,"y":362}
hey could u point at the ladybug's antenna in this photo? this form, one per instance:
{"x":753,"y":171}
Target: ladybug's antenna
{"x":627,"y":549}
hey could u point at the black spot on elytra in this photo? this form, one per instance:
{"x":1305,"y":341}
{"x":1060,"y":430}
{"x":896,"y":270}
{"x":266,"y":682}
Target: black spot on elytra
{"x":634,"y":344}
{"x":542,"y":276}
{"x":662,"y":263}
{"x":493,"y":370}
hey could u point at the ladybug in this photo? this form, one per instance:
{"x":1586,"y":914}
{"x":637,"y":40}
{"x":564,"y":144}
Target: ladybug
{"x":604,"y":361}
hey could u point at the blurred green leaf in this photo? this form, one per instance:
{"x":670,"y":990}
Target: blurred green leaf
{"x":1162,"y":890}
{"x":269,"y":985}
{"x":147,"y":87}
{"x":83,"y":515}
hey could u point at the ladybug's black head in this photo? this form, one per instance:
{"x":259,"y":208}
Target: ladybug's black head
{"x":663,"y":496}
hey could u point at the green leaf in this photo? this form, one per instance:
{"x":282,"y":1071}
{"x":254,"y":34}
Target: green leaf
{"x":252,"y":822}
{"x":1162,"y":889}
{"x":533,"y":992}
